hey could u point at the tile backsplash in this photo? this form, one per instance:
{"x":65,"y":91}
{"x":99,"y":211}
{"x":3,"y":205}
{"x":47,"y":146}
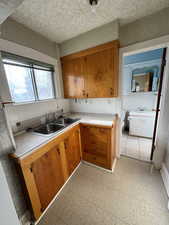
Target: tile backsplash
{"x":99,"y":105}
{"x":29,"y":113}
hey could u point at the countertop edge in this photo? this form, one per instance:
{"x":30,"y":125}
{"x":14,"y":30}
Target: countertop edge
{"x":27,"y":153}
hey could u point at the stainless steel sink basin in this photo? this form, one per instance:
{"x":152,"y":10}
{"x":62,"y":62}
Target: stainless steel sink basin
{"x":54,"y":126}
{"x":66,"y":121}
{"x":48,"y":128}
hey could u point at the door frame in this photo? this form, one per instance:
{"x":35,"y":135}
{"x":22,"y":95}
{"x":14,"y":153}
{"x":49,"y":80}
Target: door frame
{"x":159,"y":99}
{"x":162,"y":42}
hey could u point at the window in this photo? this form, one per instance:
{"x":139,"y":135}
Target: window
{"x":28,"y":80}
{"x":44,"y":84}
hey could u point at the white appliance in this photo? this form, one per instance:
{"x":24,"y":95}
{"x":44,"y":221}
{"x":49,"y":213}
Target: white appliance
{"x":141,"y":123}
{"x":7,"y":209}
{"x":8,"y":215}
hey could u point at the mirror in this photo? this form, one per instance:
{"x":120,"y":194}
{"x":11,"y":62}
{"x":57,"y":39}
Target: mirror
{"x":143,"y":83}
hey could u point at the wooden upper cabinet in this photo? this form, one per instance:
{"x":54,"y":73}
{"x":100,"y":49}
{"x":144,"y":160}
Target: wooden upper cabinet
{"x":48,"y":175}
{"x":92,"y":73}
{"x":101,"y":75}
{"x":73,"y":78}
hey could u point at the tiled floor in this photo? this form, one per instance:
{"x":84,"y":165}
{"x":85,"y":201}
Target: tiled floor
{"x":129,"y":196}
{"x":136,"y":147}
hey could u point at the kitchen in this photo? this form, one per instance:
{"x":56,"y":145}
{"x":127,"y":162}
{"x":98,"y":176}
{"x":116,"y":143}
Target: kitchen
{"x":63,"y":117}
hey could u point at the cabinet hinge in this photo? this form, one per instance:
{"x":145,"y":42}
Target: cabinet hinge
{"x":31,"y":169}
{"x":58,"y":151}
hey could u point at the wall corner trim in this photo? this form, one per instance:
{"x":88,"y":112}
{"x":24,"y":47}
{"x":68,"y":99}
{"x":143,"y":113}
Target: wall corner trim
{"x":21,"y":50}
{"x":165,"y":177}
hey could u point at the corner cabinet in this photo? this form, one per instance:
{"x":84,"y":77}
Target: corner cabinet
{"x":46,"y":170}
{"x":92,"y":73}
{"x":98,"y":144}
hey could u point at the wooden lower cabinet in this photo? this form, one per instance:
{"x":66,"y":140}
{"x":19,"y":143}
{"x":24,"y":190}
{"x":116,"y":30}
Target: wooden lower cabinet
{"x":48,"y":175}
{"x":98,"y":144}
{"x":47,"y":169}
{"x":72,"y":143}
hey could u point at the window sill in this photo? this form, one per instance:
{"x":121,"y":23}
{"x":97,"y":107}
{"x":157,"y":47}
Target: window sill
{"x":33,"y":102}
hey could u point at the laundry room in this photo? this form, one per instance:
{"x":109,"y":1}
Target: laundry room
{"x":140,"y":87}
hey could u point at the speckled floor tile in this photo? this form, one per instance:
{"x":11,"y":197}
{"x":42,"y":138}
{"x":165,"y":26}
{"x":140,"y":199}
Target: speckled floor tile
{"x":129,"y":196}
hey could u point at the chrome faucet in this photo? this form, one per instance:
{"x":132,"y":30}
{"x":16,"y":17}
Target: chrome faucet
{"x":61,"y":120}
{"x":47,"y":117}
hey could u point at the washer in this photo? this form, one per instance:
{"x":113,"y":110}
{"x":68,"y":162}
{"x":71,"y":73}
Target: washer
{"x":141,"y":123}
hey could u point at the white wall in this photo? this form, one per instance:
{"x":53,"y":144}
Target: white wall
{"x":18,"y":113}
{"x":7,"y":210}
{"x":147,"y":28}
{"x":134,"y":101}
{"x":18,"y":33}
{"x":100,"y":105}
{"x":100,"y":35}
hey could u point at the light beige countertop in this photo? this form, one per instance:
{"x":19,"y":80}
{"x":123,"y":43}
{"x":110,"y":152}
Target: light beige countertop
{"x":28,"y":142}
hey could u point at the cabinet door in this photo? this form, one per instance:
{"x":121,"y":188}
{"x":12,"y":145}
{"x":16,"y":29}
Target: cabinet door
{"x":47,"y":171}
{"x":95,"y":140}
{"x":102,"y":74}
{"x":72,"y":149}
{"x":73,"y":78}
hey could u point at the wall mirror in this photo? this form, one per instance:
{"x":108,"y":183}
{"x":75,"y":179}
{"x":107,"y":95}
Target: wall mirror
{"x":142,"y":82}
{"x":145,"y":81}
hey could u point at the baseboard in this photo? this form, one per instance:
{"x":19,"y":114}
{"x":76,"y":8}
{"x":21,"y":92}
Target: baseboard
{"x":101,"y":168}
{"x":114,"y":164}
{"x":26,"y":218}
{"x":165,"y":177}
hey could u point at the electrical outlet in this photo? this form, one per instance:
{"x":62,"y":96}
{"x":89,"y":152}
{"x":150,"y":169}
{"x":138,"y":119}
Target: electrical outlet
{"x":18,"y":124}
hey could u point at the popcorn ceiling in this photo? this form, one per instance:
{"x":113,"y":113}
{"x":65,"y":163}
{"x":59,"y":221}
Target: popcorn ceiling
{"x":60,"y":20}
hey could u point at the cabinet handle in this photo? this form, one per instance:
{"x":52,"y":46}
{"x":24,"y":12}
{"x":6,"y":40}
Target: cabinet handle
{"x":87,"y":95}
{"x":65,"y":145}
{"x":83,"y":92}
{"x":31,"y":168}
{"x":102,"y":130}
{"x":58,"y":150}
{"x":111,"y":91}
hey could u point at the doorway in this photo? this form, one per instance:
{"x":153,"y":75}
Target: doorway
{"x":142,"y":78}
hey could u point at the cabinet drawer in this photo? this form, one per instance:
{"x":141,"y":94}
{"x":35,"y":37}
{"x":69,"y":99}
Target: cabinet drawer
{"x":97,"y":160}
{"x":95,"y":140}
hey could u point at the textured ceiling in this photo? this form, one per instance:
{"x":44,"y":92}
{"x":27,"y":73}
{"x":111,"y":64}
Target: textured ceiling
{"x":7,"y":8}
{"x":60,"y":20}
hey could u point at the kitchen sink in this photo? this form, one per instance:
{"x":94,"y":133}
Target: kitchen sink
{"x":54,"y":126}
{"x":48,"y":128}
{"x":66,"y":121}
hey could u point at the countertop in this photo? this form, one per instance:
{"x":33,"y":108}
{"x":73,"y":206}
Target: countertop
{"x":28,"y":142}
